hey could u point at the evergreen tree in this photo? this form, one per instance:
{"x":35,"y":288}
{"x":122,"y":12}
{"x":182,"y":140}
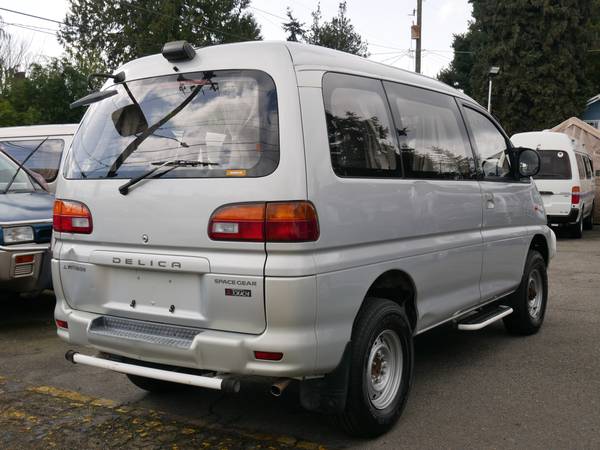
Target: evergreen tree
{"x":120,"y":30}
{"x":293,"y":27}
{"x":541,"y":47}
{"x":338,"y":33}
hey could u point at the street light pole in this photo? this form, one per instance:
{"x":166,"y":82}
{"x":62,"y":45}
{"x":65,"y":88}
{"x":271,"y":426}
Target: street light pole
{"x":490,"y":96}
{"x":494,"y":70}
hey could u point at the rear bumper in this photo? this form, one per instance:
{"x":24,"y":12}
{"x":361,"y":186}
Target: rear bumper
{"x":564,"y":219}
{"x":25,"y":277}
{"x":290,"y":311}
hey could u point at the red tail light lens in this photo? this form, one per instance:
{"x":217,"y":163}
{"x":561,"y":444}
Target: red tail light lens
{"x":71,"y":217}
{"x":265,"y":222}
{"x":62,"y":324}
{"x":575,"y":195}
{"x":292,"y":222}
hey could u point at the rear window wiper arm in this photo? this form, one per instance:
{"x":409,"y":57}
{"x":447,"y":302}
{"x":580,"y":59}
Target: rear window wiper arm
{"x":172,"y":164}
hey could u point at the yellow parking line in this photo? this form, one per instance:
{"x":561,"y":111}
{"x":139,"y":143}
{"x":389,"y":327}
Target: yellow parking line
{"x":73,"y":396}
{"x":77,"y":398}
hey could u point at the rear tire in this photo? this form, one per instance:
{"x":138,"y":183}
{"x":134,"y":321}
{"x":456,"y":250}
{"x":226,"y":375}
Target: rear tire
{"x":153,"y":385}
{"x":588,"y":222}
{"x":381,"y":369}
{"x":530,"y":299}
{"x":577,"y":228}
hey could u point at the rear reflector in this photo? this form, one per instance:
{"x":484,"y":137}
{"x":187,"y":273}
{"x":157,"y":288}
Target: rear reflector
{"x":265,"y":222}
{"x":72,"y":217}
{"x":62,"y":324}
{"x":24,"y":259}
{"x":575,"y":195}
{"x":268,"y":356}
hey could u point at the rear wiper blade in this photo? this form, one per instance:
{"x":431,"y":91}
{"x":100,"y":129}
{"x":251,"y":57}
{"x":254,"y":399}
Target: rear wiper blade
{"x":172,"y":164}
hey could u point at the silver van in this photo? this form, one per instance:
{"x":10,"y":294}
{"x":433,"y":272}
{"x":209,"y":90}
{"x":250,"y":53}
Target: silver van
{"x":292,"y":212}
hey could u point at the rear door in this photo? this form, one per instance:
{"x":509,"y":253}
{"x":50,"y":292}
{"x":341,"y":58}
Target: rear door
{"x":507,"y":206}
{"x":554,"y":182}
{"x":149,"y":255}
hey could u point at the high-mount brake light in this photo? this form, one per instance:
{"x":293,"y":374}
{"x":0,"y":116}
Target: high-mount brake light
{"x":265,"y":222}
{"x":575,"y":195}
{"x":71,"y":217}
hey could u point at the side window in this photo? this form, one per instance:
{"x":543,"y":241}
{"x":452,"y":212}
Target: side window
{"x":359,"y":127}
{"x":491,"y":146}
{"x":588,"y":168}
{"x":44,"y":161}
{"x":433,"y":142}
{"x":580,"y":166}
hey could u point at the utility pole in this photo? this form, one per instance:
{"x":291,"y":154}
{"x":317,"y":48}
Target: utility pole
{"x":419,"y":35}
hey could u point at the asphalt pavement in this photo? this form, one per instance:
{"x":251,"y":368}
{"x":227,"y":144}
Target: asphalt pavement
{"x":482,"y":389}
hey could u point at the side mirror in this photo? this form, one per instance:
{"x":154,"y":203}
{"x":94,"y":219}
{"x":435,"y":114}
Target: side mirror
{"x":129,"y":120}
{"x":529,"y":162}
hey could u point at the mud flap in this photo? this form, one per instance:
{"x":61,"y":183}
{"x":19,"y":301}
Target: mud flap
{"x":328,"y":394}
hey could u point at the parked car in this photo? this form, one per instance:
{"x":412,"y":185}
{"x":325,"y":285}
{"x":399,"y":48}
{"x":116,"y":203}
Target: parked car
{"x":292,"y":212}
{"x":566,"y":179}
{"x":19,"y":142}
{"x":25,"y":230}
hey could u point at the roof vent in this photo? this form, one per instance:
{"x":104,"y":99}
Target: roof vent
{"x":178,"y":51}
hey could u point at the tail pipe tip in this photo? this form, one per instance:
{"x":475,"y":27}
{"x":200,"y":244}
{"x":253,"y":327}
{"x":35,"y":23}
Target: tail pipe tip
{"x":278,"y":387}
{"x":70,"y":356}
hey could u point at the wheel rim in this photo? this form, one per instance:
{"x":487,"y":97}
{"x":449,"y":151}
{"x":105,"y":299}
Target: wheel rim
{"x":535,"y":294}
{"x":384,"y":369}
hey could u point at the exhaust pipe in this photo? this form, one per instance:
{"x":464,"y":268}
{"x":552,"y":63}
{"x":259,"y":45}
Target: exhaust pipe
{"x":221,"y":384}
{"x":279,"y":386}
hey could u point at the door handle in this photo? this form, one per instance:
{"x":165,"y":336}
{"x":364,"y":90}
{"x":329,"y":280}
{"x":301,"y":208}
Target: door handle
{"x":489,"y":200}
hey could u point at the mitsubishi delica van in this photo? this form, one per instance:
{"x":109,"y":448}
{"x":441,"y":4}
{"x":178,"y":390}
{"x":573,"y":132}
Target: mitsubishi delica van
{"x":290,"y":212}
{"x":566,"y":179}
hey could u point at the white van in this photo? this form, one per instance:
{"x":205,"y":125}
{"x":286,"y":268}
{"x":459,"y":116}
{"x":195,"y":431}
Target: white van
{"x":566,"y":179}
{"x":40,"y":147}
{"x":292,"y":212}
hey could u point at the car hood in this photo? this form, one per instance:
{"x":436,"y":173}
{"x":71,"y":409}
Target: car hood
{"x":26,"y":206}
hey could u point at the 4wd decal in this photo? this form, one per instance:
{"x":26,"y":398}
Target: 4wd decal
{"x":238,"y":292}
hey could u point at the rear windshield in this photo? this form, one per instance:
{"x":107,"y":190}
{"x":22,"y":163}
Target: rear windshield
{"x":227,"y":120}
{"x":555,"y":165}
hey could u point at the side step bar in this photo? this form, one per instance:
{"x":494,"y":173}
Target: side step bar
{"x":222,"y":384}
{"x":483,"y":318}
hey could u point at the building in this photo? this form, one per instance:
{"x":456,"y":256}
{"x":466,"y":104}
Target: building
{"x":592,"y":112}
{"x":589,"y":136}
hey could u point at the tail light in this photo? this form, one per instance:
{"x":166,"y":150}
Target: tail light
{"x":62,"y":324}
{"x":71,"y":217}
{"x":265,"y":222}
{"x":575,"y":195}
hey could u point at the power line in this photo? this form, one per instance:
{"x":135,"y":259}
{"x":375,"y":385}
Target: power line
{"x":26,"y":27}
{"x":32,"y":15}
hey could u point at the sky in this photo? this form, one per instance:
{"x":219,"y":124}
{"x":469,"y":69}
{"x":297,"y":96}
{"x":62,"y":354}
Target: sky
{"x":385,"y":24}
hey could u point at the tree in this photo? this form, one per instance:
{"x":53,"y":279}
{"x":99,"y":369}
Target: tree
{"x":43,"y":94}
{"x":117,"y":31}
{"x":294,"y":27}
{"x":338,"y":33}
{"x":541,"y":47}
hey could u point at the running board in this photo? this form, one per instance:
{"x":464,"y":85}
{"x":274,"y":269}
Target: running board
{"x":221,"y":384}
{"x":483,"y":318}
